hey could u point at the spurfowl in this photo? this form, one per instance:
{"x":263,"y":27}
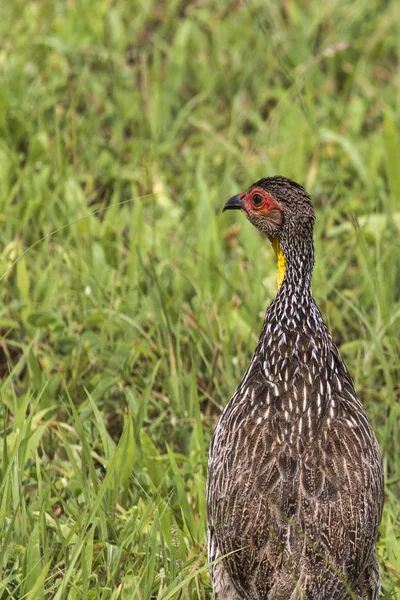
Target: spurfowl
{"x":295,"y":482}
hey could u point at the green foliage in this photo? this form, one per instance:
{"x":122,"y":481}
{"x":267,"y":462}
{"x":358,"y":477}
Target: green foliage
{"x":130,"y":306}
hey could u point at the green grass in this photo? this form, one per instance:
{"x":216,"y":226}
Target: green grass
{"x":130,"y":306}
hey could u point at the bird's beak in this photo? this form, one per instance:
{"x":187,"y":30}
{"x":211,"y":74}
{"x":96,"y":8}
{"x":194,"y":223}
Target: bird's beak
{"x":235,"y":202}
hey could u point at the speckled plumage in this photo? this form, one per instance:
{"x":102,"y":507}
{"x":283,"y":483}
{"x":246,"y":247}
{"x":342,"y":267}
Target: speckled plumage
{"x":295,"y":483}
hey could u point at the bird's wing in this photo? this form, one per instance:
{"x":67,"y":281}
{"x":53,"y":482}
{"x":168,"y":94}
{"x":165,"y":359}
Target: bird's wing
{"x":294,"y":487}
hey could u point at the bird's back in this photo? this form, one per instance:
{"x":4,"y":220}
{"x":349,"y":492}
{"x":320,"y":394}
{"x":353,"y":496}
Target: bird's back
{"x":295,"y":487}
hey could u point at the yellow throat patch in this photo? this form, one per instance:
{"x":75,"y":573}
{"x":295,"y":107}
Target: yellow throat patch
{"x":280,"y":259}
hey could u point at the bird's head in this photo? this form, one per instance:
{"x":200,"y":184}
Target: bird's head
{"x":280,"y":208}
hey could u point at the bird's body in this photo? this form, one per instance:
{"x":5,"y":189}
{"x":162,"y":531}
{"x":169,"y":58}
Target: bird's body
{"x":295,"y":484}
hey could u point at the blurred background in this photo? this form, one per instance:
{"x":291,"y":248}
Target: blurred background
{"x":130,"y":306}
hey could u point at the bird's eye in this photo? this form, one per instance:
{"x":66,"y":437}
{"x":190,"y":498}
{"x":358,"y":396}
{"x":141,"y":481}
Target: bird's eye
{"x":257,"y":200}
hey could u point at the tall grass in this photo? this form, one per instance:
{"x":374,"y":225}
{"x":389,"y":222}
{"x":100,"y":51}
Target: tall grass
{"x":130,"y":306}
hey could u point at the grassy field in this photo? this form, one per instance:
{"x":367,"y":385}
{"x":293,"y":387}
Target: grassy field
{"x":130,"y":306}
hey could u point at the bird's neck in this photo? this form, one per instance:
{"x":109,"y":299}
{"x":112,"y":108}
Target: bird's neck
{"x":295,"y":263}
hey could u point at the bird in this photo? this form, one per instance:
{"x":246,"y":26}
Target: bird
{"x":295,"y":485}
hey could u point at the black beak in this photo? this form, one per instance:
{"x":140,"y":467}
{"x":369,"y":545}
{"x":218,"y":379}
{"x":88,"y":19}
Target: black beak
{"x":235,"y":202}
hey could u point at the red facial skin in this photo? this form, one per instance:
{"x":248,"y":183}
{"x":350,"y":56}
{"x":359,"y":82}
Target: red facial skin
{"x":265,"y":206}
